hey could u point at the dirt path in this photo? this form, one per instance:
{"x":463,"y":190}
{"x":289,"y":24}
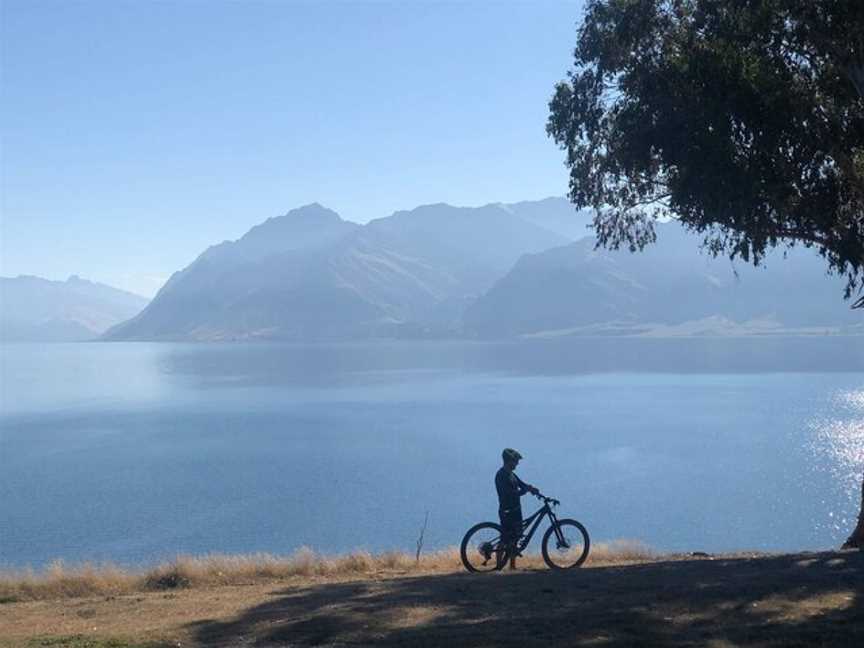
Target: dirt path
{"x":788,"y":600}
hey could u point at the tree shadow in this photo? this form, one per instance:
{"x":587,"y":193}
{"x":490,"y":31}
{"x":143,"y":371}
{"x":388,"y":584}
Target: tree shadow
{"x":800,"y":600}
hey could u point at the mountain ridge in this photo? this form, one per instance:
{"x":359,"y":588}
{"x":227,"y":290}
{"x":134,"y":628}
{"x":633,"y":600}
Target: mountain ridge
{"x":342,"y":279}
{"x":487,"y":272}
{"x":668,"y":288}
{"x":35,"y":309}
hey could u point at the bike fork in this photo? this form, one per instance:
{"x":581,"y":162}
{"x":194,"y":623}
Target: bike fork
{"x":561,"y":541}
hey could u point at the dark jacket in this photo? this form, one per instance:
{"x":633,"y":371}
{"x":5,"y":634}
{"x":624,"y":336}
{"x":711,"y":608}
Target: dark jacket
{"x":510,"y":488}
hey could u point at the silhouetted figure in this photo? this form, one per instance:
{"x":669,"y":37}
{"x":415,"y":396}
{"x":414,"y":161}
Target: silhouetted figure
{"x":510,"y":488}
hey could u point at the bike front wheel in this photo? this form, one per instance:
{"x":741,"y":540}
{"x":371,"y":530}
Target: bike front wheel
{"x":565,"y":545}
{"x":482,"y":549}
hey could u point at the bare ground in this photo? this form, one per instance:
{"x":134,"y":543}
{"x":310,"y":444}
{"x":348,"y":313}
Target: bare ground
{"x":784,"y":600}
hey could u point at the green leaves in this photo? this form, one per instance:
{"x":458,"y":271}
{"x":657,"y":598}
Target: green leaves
{"x":744,"y":120}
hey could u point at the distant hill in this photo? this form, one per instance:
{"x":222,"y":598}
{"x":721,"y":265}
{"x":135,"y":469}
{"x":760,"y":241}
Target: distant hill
{"x":38,"y":310}
{"x":670,"y":288}
{"x":245,"y":287}
{"x":489,"y":272}
{"x":557,"y":215}
{"x":311,"y":275}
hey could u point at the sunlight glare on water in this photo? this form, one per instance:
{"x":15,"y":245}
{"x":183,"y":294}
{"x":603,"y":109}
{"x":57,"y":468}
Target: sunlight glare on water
{"x":840,"y":440}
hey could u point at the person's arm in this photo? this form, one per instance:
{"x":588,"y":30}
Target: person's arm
{"x":525,"y":488}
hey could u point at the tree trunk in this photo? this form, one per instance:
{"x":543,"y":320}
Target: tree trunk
{"x":856,"y":540}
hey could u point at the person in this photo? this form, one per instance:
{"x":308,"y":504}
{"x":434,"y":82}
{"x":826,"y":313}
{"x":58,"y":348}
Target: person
{"x":510,"y":489}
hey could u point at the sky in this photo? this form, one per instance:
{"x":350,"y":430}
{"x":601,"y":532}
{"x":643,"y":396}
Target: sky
{"x":135,"y":134}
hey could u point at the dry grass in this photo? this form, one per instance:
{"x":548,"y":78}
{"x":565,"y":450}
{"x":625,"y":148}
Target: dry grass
{"x":60,"y":580}
{"x":745,"y":600}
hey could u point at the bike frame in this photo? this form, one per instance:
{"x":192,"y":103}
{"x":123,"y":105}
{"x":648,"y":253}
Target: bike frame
{"x":534,"y":521}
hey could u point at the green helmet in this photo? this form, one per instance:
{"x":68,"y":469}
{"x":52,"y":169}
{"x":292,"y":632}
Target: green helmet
{"x":510,"y":454}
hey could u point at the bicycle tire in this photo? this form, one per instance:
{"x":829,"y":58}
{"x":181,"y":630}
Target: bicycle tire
{"x":500,"y":558}
{"x":578,"y":533}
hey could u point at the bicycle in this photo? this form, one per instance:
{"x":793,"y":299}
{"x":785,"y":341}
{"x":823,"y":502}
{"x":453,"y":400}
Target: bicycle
{"x":482,"y":543}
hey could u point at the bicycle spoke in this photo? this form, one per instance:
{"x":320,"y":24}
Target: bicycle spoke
{"x":481,"y":548}
{"x":565,"y":545}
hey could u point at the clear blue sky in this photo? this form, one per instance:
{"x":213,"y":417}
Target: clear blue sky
{"x":137,"y":133}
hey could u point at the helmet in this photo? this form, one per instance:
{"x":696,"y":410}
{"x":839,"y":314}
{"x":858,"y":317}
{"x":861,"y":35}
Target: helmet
{"x":510,"y":454}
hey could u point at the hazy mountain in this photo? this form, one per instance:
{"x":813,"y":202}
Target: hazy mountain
{"x":38,"y":310}
{"x":555,"y":214}
{"x":251,"y":286}
{"x":671,"y":288}
{"x":471,"y":245}
{"x":311,"y":275}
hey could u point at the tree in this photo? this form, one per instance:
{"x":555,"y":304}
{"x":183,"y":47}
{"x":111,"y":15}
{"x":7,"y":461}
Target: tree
{"x":742,"y":119}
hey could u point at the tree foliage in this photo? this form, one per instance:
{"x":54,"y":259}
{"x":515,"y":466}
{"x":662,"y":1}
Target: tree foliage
{"x":743,"y":119}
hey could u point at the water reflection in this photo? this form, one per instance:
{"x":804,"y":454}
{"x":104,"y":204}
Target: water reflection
{"x":839,"y":441}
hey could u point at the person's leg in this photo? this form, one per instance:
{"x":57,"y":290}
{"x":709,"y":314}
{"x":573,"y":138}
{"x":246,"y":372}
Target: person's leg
{"x":508,"y":538}
{"x":515,"y":531}
{"x":513,"y":537}
{"x":505,"y":529}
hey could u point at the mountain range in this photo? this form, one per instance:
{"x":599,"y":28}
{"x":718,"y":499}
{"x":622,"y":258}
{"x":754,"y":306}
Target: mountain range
{"x":311,"y":275}
{"x":38,"y":310}
{"x":497,"y":271}
{"x":670,"y":288}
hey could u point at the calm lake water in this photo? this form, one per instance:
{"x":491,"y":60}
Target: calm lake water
{"x":136,"y":452}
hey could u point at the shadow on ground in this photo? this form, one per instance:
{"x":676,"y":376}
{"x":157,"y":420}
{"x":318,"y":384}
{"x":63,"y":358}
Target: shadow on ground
{"x":797,"y":600}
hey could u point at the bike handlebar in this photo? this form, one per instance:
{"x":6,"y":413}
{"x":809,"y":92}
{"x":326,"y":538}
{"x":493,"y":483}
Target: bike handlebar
{"x":546,"y":500}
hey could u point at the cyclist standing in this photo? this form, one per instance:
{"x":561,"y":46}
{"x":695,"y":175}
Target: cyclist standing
{"x":510,"y":488}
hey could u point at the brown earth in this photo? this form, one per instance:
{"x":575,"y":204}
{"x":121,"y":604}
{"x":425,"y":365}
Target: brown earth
{"x":783,"y":600}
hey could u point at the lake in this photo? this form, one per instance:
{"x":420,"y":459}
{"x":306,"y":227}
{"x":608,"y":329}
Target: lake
{"x":135,"y":452}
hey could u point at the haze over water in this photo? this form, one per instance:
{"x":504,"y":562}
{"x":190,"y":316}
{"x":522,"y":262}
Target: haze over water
{"x":136,"y":452}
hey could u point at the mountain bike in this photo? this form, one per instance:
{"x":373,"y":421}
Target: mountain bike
{"x":565,"y":544}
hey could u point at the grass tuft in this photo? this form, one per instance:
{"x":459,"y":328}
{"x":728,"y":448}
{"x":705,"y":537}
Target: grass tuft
{"x":620,"y":551}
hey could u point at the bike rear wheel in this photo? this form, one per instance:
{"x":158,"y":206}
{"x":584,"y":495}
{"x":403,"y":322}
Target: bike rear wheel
{"x":565,"y":545}
{"x":482,"y":549}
